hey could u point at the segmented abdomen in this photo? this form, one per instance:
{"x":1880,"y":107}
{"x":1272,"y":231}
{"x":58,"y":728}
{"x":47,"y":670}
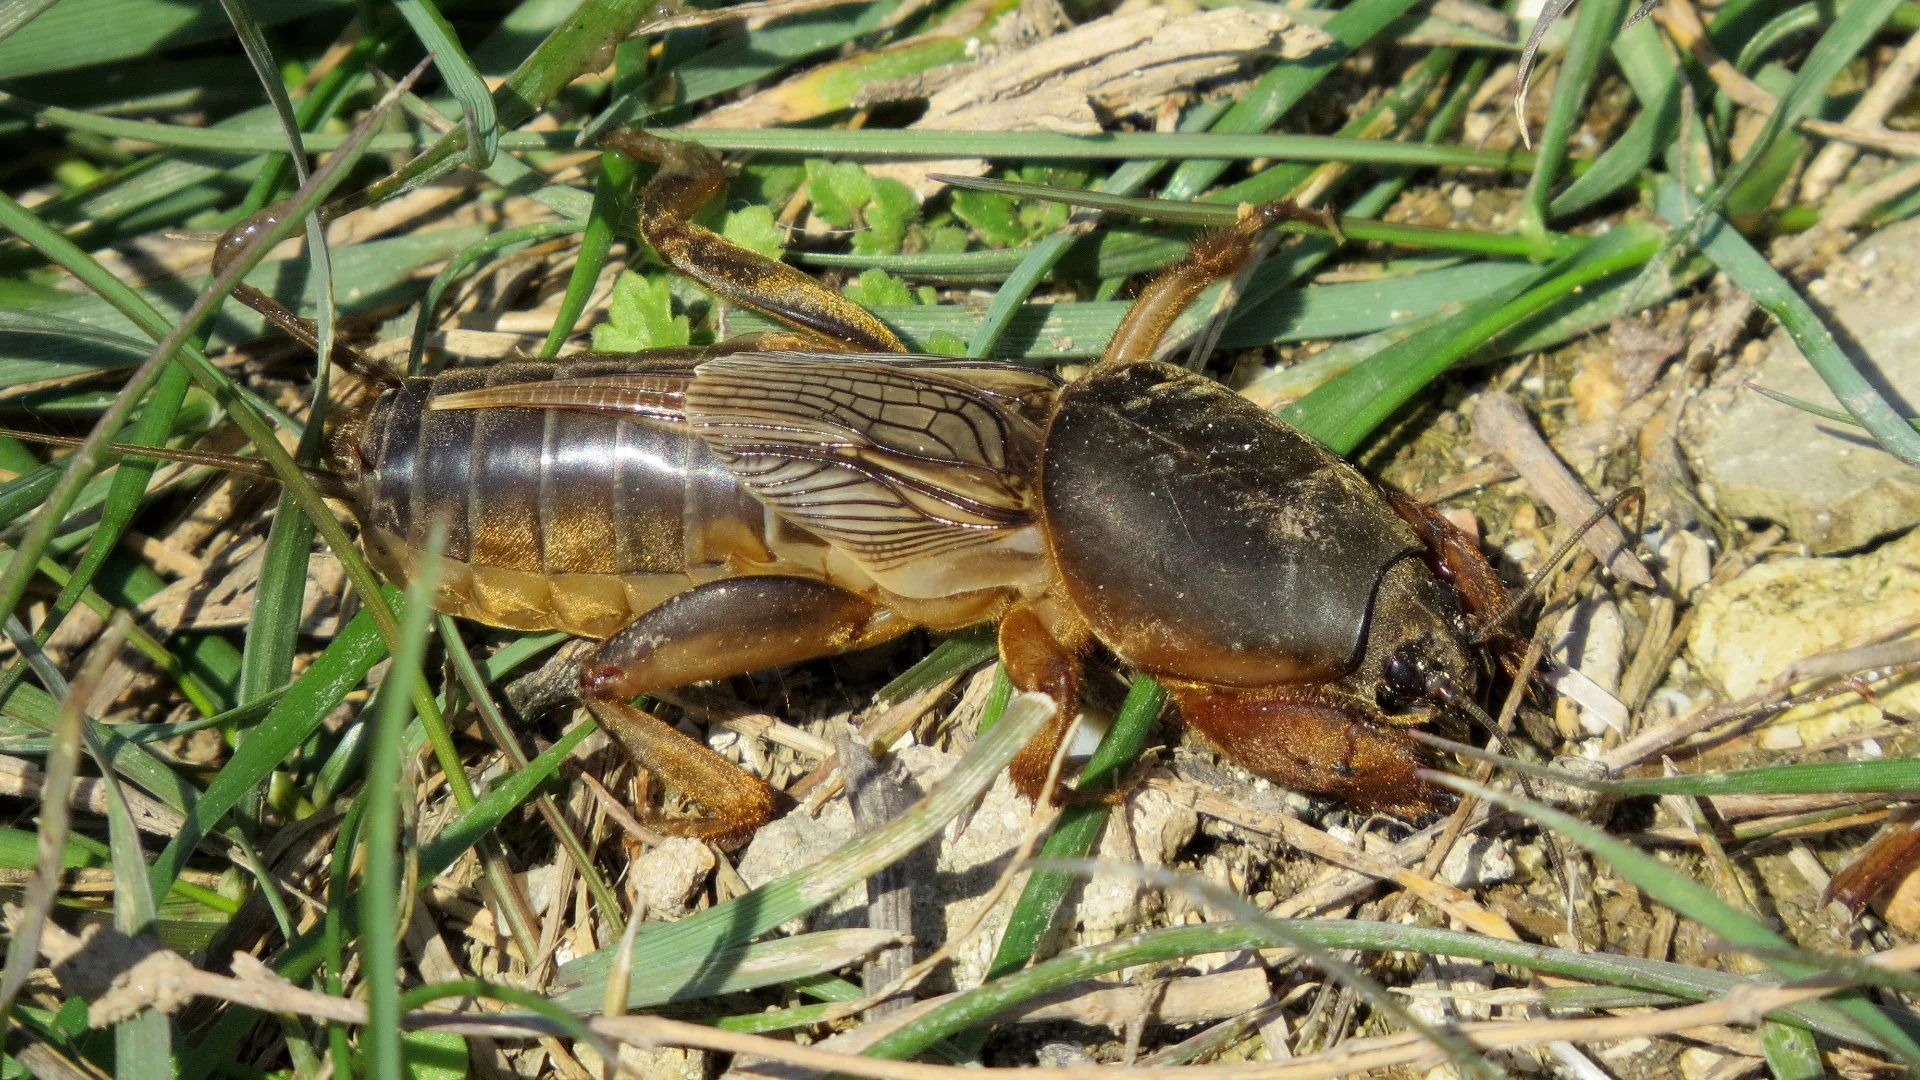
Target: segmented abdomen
{"x":555,"y":519}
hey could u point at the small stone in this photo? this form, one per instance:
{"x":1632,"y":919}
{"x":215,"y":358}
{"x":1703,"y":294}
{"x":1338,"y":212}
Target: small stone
{"x":1596,"y":388}
{"x":658,"y":1062}
{"x":788,"y":843}
{"x":1478,"y":860}
{"x":1689,"y":562}
{"x":1700,"y":1063}
{"x":1749,"y":630}
{"x":1826,"y":481}
{"x":670,"y":873}
{"x":1592,"y":639}
{"x":1462,"y":518}
{"x":1062,"y":1054}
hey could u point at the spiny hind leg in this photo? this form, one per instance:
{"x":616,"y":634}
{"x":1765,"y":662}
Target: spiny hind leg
{"x":1312,"y":740}
{"x":713,"y":631}
{"x":690,"y":175}
{"x":737,"y":802}
{"x":1216,"y":255}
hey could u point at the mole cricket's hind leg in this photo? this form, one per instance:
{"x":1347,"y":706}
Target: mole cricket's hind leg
{"x":1311,"y":740}
{"x":690,"y":175}
{"x":713,"y":631}
{"x":737,"y":802}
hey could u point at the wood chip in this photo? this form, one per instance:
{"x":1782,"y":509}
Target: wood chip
{"x":1118,"y":64}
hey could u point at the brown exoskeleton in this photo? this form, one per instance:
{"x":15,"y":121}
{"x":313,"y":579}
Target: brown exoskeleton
{"x":763,"y":503}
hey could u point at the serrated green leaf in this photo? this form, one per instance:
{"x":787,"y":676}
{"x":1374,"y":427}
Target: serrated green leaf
{"x":944,"y":344}
{"x":877,"y":287}
{"x":995,"y":217}
{"x":640,"y":316}
{"x":839,"y":191}
{"x":753,"y":228}
{"x":771,"y":182}
{"x":888,"y":216}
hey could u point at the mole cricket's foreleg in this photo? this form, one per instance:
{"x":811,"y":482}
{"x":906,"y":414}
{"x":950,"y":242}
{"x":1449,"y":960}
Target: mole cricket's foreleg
{"x":690,"y":175}
{"x":713,"y":631}
{"x":1309,"y":739}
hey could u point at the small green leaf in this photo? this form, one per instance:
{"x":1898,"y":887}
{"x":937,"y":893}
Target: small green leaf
{"x":753,"y":228}
{"x":771,"y":182}
{"x":946,"y":239}
{"x":640,"y":316}
{"x":877,"y":288}
{"x":892,"y":210}
{"x":944,"y":344}
{"x":994,"y":217}
{"x":839,"y":191}
{"x":1040,"y":218}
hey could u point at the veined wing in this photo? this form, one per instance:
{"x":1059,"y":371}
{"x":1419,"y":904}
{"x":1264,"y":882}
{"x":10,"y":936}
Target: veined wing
{"x":892,"y":459}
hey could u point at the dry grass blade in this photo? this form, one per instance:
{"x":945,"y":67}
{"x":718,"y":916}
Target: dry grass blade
{"x":29,"y":921}
{"x":253,"y":986}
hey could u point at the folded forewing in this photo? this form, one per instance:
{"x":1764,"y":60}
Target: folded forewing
{"x":653,"y":396}
{"x":891,"y":460}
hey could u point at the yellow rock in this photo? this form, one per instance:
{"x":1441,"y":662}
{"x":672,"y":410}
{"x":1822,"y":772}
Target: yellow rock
{"x":1752,"y":628}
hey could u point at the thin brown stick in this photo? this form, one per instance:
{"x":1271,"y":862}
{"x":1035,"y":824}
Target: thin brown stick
{"x":1501,"y":425}
{"x":1831,"y":163}
{"x":1679,"y":19}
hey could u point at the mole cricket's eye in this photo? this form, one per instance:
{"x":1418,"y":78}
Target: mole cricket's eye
{"x":1402,"y":682}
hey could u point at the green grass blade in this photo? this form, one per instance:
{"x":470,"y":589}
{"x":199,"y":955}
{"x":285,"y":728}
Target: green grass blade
{"x":1791,"y":1052}
{"x":1347,"y":408}
{"x":612,"y":203}
{"x":1641,"y":53}
{"x":81,"y":33}
{"x":436,"y":35}
{"x":380,"y":830}
{"x":1750,"y":270}
{"x":474,"y":681}
{"x":1039,"y":262}
{"x":1593,"y":31}
{"x":491,"y":808}
{"x":1809,"y":407}
{"x":1853,"y":27}
{"x":1365,"y":230}
{"x":1078,"y":829}
{"x":1683,"y":981}
{"x":466,"y":262}
{"x":958,"y":654}
{"x":573,"y":49}
{"x":266,"y":661}
{"x":346,"y":661}
{"x":1283,"y":87}
{"x":15,"y":14}
{"x":826,"y":142}
{"x":1894,"y":776}
{"x":1066,"y":330}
